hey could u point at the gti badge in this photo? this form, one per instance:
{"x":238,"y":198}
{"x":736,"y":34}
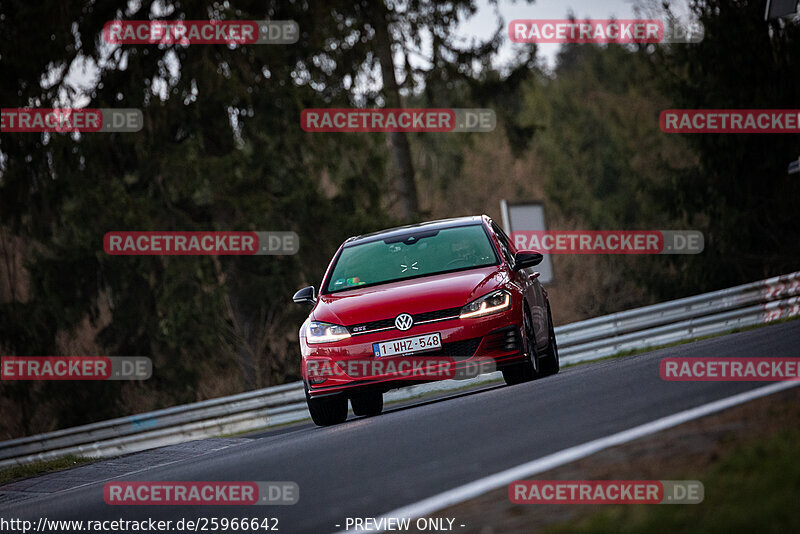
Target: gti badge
{"x":403,"y":321}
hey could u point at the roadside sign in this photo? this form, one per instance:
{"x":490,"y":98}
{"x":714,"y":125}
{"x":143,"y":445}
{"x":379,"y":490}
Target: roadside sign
{"x":527,"y":216}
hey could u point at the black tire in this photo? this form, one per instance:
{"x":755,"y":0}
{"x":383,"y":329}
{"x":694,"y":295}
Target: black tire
{"x":368,"y":404}
{"x":551,"y":363}
{"x":528,"y":369}
{"x":327,"y":411}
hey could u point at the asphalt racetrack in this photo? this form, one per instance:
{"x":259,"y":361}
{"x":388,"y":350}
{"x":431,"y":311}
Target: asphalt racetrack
{"x":367,"y":467}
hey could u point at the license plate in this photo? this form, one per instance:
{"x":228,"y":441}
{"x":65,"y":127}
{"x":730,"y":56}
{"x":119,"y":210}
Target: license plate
{"x":408,"y":345}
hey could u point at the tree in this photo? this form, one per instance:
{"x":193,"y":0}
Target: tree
{"x":739,"y":188}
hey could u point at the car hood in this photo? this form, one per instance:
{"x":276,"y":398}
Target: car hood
{"x":419,"y":295}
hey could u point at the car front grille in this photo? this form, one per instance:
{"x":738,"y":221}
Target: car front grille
{"x":388,"y":324}
{"x":457,"y":349}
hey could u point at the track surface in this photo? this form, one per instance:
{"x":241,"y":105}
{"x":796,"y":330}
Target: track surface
{"x":366,"y":467}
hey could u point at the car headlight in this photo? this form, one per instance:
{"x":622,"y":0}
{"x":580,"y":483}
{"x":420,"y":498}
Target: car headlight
{"x":494,"y":302}
{"x":325,"y":332}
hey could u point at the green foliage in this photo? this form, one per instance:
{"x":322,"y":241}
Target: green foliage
{"x":221,"y":150}
{"x":739,"y":184}
{"x":610,"y":167}
{"x":10,"y":474}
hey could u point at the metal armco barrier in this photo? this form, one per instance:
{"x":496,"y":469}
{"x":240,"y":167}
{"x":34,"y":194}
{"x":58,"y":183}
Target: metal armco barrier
{"x":651,"y":326}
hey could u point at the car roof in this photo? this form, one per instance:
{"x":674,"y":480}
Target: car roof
{"x":411,"y":229}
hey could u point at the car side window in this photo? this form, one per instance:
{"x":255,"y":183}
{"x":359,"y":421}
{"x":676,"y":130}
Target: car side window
{"x":505,"y":244}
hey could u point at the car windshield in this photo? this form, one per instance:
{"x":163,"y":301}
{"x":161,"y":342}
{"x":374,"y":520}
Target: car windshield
{"x":423,"y":253}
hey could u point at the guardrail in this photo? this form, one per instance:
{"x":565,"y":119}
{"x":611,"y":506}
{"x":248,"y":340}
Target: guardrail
{"x":640,"y":328}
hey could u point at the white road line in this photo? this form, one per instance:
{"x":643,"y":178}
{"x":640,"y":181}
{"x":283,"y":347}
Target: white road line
{"x":503,"y":478}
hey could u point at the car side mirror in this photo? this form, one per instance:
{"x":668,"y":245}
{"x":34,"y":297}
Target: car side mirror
{"x":527,"y":258}
{"x":307,"y":294}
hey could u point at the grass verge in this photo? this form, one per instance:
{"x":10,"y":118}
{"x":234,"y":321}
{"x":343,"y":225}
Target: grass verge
{"x":17,"y":472}
{"x":754,"y":488}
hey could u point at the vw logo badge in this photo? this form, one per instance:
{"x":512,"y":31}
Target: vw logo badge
{"x":403,"y":321}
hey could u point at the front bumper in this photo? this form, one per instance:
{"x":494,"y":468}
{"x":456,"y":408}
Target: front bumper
{"x":469,"y":347}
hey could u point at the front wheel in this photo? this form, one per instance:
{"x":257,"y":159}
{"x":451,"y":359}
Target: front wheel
{"x":368,"y":403}
{"x":327,"y":411}
{"x":551,"y":363}
{"x":528,"y":368}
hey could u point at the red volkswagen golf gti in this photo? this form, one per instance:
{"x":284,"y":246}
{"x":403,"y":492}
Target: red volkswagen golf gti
{"x":431,"y":301}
